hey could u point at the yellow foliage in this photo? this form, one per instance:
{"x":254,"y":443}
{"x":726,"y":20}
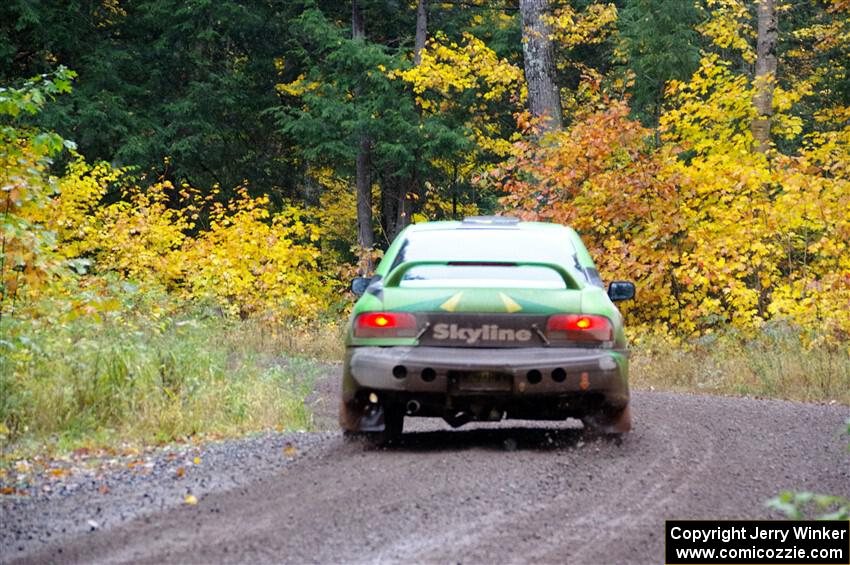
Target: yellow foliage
{"x":438,"y":206}
{"x":448,"y":68}
{"x":337,"y":216}
{"x":588,"y":27}
{"x":715,"y":106}
{"x":27,"y":256}
{"x":248,"y":260}
{"x":81,"y":190}
{"x":826,"y":36}
{"x":297,"y":87}
{"x":729,"y":28}
{"x":254,"y":263}
{"x":139,"y":235}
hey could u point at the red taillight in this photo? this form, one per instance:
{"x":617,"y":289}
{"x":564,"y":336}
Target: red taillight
{"x":579,"y":327}
{"x":385,"y":324}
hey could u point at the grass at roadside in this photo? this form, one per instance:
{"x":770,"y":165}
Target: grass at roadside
{"x":773,"y":364}
{"x":145,"y":380}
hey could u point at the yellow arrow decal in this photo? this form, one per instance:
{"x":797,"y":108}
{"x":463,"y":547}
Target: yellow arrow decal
{"x":451,"y":304}
{"x":510,"y":305}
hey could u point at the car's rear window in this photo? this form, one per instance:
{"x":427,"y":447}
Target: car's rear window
{"x":436,"y":276}
{"x":478,"y":245}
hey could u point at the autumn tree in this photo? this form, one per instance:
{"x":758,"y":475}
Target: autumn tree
{"x":715,"y":234}
{"x":27,"y":246}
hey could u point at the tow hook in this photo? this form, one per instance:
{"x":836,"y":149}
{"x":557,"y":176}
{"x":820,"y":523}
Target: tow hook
{"x":457,"y":419}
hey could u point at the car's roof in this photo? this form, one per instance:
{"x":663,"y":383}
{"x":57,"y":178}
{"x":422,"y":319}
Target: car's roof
{"x":484,"y":222}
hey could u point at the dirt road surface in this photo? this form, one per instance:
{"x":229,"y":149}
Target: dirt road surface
{"x":517,"y":493}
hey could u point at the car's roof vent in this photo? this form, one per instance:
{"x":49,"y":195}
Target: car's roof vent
{"x":490,"y":220}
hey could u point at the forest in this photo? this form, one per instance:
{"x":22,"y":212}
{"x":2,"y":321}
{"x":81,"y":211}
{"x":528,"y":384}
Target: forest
{"x":188,"y":186}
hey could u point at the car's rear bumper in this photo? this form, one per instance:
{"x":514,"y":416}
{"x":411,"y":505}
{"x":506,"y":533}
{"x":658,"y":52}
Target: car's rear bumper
{"x":533,"y":371}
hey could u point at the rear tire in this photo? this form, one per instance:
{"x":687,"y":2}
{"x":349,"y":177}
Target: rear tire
{"x":393,"y":427}
{"x":349,"y":417}
{"x":609,"y":422}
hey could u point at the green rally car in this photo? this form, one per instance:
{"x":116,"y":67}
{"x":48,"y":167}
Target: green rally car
{"x":481,"y":320}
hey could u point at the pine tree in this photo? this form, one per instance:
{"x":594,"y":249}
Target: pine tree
{"x":661,"y":44}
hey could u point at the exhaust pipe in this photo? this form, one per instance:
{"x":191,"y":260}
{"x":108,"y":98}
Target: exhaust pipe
{"x":413,"y":407}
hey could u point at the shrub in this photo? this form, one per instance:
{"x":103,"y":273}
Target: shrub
{"x":140,"y":366}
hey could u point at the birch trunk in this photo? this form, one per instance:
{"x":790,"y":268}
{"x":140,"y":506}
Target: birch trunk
{"x":765,"y":73}
{"x":544,"y":100}
{"x":421,"y":31}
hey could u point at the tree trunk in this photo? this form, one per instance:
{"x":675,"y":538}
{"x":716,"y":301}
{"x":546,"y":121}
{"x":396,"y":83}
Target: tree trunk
{"x":365,"y":237}
{"x":363,"y":166}
{"x":421,"y":32}
{"x":358,"y":22}
{"x":544,"y":100}
{"x":394,"y":191}
{"x":765,"y":73}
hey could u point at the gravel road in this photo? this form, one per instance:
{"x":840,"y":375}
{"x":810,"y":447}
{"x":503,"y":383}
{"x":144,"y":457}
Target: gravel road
{"x":519,"y":492}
